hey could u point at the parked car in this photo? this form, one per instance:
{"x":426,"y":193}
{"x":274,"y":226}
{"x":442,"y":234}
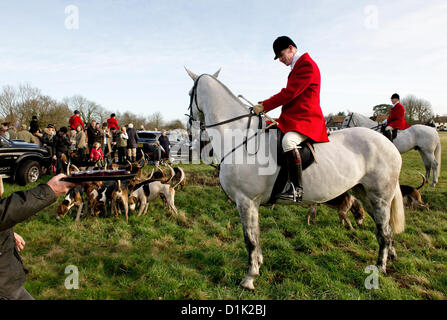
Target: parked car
{"x":148,"y":143}
{"x":21,"y":161}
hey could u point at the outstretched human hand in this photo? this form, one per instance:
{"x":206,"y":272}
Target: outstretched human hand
{"x":60,"y":187}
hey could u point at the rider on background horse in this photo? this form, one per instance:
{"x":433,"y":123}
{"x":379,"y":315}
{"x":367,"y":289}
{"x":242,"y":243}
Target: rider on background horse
{"x":396,"y":119}
{"x":301,"y":116}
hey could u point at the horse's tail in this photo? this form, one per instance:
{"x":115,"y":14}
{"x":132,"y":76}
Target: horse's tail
{"x":397,"y":217}
{"x":438,"y":157}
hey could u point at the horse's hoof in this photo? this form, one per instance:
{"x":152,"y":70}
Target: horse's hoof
{"x":392,"y":255}
{"x":382,"y":269}
{"x":247,"y":283}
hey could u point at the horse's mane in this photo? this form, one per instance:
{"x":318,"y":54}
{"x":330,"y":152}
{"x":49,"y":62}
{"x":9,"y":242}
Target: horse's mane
{"x":227,"y":90}
{"x":361,"y":116}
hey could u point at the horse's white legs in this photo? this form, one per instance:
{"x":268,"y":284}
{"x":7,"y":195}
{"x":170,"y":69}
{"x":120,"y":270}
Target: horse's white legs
{"x":430,"y":163}
{"x":249,"y":213}
{"x":384,"y":234}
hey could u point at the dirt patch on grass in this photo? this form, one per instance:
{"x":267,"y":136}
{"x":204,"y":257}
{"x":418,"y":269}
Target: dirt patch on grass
{"x":406,"y":281}
{"x":202,"y":179}
{"x":56,"y":252}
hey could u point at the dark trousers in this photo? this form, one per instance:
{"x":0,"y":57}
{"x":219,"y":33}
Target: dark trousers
{"x":81,"y":153}
{"x":59,"y":166}
{"x":122,"y":154}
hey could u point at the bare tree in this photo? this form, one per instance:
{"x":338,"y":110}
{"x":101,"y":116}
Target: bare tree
{"x":8,"y":104}
{"x":175,"y":124}
{"x":88,"y":110}
{"x":417,"y":109}
{"x":155,"y":120}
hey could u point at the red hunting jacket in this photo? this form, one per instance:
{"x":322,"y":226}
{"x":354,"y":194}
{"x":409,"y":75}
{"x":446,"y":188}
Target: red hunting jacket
{"x":111,"y":122}
{"x":301,"y":111}
{"x":96,"y":154}
{"x":396,"y":119}
{"x":74,"y":121}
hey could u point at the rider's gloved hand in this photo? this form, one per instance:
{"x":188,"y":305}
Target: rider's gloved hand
{"x":258,"y":108}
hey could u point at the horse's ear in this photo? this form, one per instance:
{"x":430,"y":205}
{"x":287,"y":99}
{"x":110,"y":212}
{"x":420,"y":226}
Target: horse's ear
{"x":191,"y":74}
{"x":216,"y":74}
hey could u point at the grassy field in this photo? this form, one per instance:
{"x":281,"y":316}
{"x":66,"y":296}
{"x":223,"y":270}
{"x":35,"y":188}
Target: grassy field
{"x":204,"y":255}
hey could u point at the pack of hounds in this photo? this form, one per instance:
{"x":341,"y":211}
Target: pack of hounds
{"x":111,"y":198}
{"x":100,"y":198}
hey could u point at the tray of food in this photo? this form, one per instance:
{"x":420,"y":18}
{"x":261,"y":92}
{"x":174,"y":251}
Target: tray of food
{"x":99,"y":175}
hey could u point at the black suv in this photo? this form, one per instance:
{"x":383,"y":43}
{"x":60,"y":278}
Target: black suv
{"x":22,"y":161}
{"x":148,"y":142}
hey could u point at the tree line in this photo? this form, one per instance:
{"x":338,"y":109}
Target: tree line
{"x":19,"y":104}
{"x":417,"y":110}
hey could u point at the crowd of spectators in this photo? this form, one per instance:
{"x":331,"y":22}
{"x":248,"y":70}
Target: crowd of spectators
{"x":95,"y":142}
{"x":92,"y":143}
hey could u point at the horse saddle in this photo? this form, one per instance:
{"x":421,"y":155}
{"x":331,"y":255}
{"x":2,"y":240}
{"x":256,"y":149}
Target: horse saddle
{"x":391,"y":135}
{"x":307,"y":158}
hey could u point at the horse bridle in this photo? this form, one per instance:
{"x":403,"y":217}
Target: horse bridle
{"x":352,"y":120}
{"x":250,"y":115}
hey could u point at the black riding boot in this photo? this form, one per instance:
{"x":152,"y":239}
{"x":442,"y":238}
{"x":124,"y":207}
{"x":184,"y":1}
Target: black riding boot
{"x":389,"y":135}
{"x":295,"y":191}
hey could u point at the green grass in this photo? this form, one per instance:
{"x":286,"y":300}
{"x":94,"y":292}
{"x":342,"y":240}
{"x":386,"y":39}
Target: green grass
{"x":204,"y":257}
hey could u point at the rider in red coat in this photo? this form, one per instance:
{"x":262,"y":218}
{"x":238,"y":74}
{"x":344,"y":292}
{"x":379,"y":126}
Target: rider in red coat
{"x":396,"y":119}
{"x":75,"y":120}
{"x":111,"y":122}
{"x":301,"y":116}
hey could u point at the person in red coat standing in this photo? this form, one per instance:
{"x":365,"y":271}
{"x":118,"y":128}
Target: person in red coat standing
{"x":396,"y":119}
{"x":96,"y":153}
{"x":111,"y":122}
{"x":75,"y":120}
{"x":301,"y":116}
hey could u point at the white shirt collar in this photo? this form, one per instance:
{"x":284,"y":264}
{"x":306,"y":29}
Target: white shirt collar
{"x":396,"y":103}
{"x":295,"y":59}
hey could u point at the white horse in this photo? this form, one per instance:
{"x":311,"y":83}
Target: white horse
{"x":357,"y":158}
{"x":423,"y":138}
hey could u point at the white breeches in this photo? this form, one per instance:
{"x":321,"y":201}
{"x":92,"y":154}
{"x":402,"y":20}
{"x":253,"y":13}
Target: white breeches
{"x":291,"y":140}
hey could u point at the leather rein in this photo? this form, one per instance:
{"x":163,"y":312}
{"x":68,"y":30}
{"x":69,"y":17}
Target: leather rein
{"x":250,"y":115}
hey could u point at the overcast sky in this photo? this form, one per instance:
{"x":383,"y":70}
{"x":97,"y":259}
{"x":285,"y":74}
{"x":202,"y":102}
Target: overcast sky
{"x":129,"y":55}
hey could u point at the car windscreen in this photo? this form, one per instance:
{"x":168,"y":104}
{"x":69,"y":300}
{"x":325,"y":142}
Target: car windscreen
{"x":147,"y":135}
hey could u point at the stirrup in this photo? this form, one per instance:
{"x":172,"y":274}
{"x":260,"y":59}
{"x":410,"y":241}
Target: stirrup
{"x":291,"y":194}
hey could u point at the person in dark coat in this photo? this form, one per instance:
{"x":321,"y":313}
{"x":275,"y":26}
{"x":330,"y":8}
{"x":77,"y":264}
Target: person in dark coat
{"x":10,"y":132}
{"x":47,"y":138}
{"x":61,"y":143}
{"x":34,"y":125}
{"x":115,"y":140}
{"x":165,"y":144}
{"x":99,"y":135}
{"x":132,"y":143}
{"x":91,"y":134}
{"x":16,"y":208}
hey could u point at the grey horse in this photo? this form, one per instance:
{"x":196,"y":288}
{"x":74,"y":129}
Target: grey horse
{"x":357,"y":158}
{"x":423,"y":138}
